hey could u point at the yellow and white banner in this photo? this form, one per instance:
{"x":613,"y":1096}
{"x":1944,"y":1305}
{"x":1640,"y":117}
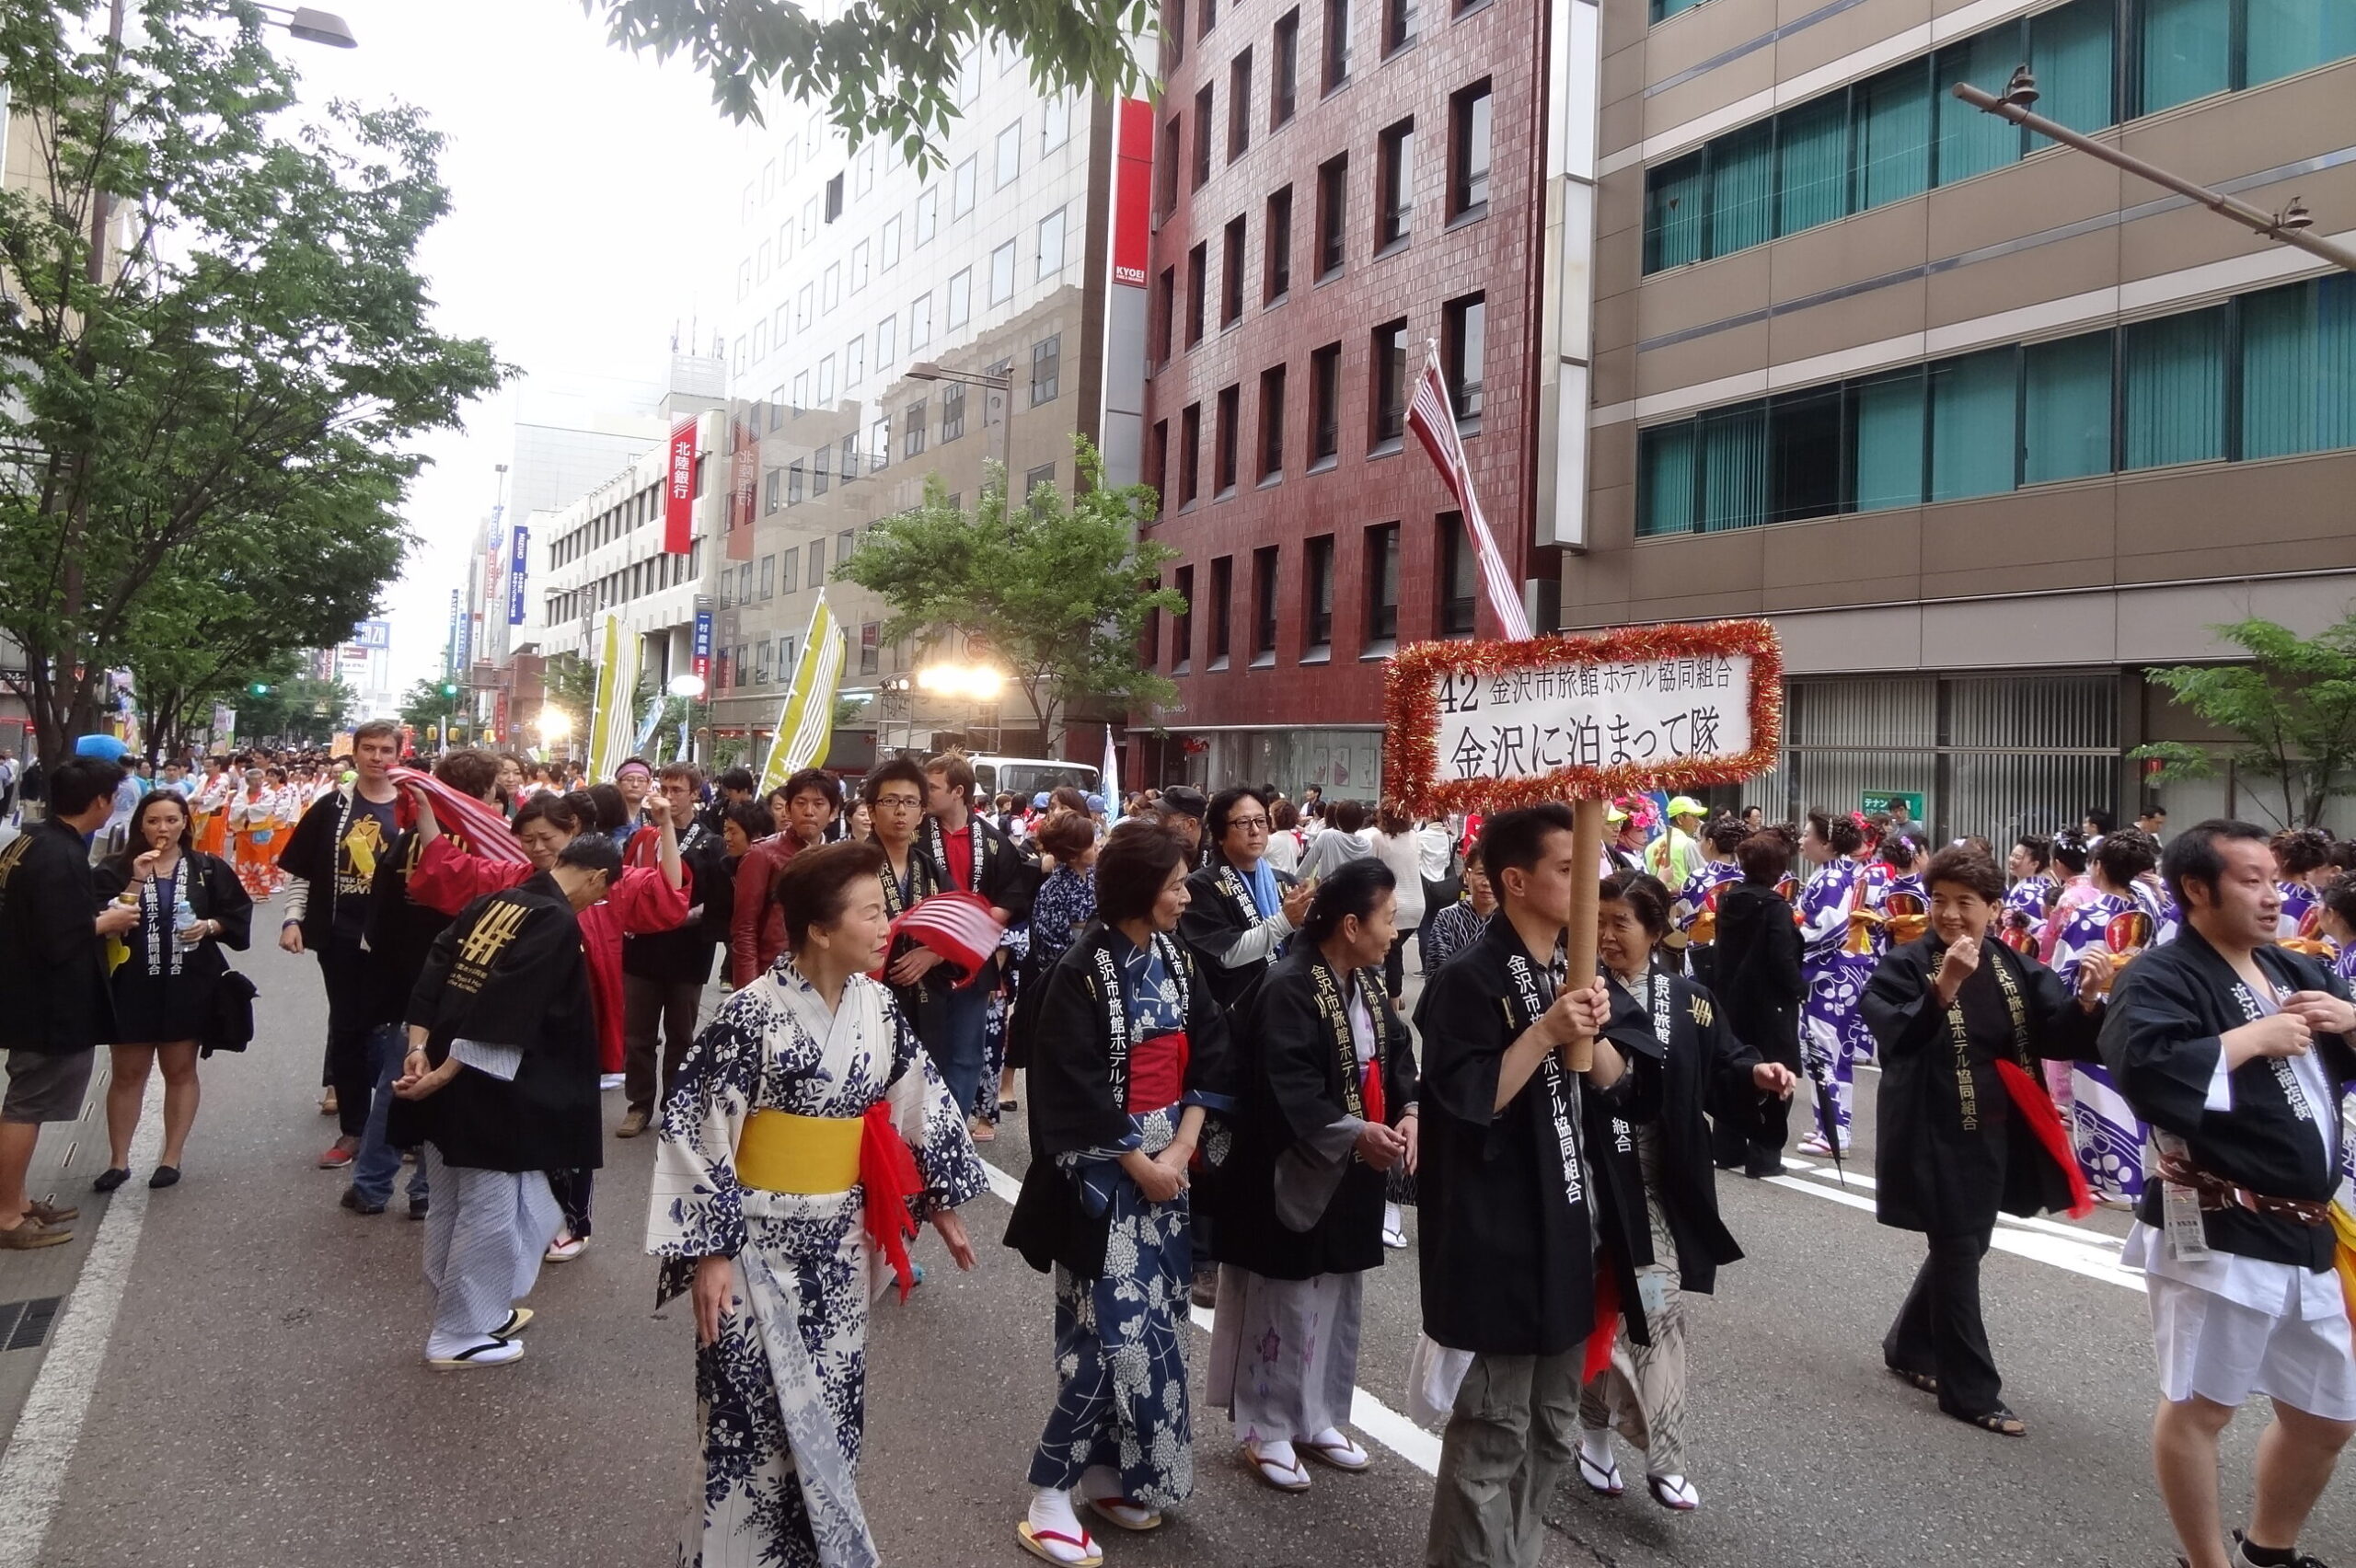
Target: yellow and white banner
{"x":807,"y":723}
{"x":613,"y":724}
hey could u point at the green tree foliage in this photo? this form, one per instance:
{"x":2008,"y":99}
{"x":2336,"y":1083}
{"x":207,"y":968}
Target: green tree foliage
{"x":297,"y":710}
{"x":1058,"y":591}
{"x":235,"y":376}
{"x":423,"y":704}
{"x":2293,"y":704}
{"x":883,"y":68}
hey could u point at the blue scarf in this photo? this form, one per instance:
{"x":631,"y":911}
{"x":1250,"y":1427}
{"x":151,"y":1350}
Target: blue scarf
{"x":1262,"y":884}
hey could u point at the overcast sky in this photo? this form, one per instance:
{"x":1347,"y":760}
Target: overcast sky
{"x":590,"y":213}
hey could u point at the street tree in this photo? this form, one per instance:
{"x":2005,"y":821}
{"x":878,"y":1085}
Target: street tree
{"x":298,"y":709}
{"x":886,"y":69}
{"x":2293,"y":705}
{"x":1059,"y":590}
{"x":217,"y":343}
{"x":427,"y":704}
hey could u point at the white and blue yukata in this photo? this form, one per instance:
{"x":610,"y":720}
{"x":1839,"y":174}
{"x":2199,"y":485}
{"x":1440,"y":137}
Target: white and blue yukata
{"x":1831,"y":1026}
{"x":2106,"y":1132}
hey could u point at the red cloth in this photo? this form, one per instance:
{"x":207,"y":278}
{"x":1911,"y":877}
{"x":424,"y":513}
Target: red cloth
{"x":1156,"y":1072}
{"x":755,"y":925}
{"x":2036,"y":1107}
{"x":887,"y":1170}
{"x":957,"y":925}
{"x":1607,"y":1320}
{"x":959,"y":847}
{"x":478,"y":822}
{"x":1370,"y":1088}
{"x":448,"y":879}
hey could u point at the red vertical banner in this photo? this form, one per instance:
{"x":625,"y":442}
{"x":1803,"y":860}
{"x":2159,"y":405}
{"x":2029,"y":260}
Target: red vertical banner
{"x":743,"y":483}
{"x":679,"y":492}
{"x":1132,"y":192}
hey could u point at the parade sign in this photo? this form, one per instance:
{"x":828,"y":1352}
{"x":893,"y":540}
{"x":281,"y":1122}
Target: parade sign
{"x":1485,"y":726}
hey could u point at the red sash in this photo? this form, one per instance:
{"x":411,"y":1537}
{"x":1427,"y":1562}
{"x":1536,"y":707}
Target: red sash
{"x":2036,"y":1111}
{"x":1607,"y":1320}
{"x":1156,"y":1072}
{"x":888,"y":1172}
{"x":1370,"y":1091}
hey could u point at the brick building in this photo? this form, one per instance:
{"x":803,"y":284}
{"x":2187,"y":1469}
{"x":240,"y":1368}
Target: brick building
{"x":1338,"y":184}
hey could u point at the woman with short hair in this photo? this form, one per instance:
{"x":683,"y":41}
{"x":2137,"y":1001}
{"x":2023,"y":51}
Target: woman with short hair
{"x":1761,"y":984}
{"x":1329,"y":1108}
{"x":1965,"y":1128}
{"x":1394,"y":844}
{"x":1131,"y":1055}
{"x":805,"y":1140}
{"x":191,"y":906}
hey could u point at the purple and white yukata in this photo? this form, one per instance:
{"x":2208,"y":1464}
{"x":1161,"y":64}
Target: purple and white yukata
{"x":2106,"y":1132}
{"x":2299,"y":903}
{"x":1829,"y":1020}
{"x":1695,"y":913}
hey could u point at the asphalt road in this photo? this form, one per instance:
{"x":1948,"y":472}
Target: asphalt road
{"x":257,"y":1396}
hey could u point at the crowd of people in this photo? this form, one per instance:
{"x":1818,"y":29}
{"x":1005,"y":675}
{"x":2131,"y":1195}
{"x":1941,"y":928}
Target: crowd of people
{"x":1199,"y":1003}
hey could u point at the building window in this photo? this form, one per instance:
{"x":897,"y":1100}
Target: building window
{"x":818,"y":563}
{"x":1332,"y":214}
{"x":1055,"y":124}
{"x":1326,"y":405}
{"x":1284,"y":86}
{"x":1337,"y":43}
{"x":762,"y":663}
{"x":1203,"y":131}
{"x":912,"y":430}
{"x":1205,"y":18}
{"x":927,"y":213}
{"x":952,"y":411}
{"x":1396,"y":202}
{"x":1051,"y":244}
{"x":844,"y":543}
{"x":773,"y":491}
{"x":1398,"y":25}
{"x":1182,"y":625}
{"x":1173,"y":36}
{"x":1463,"y":353}
{"x":834,"y":198}
{"x":1046,"y":369}
{"x":1381,"y":586}
{"x":888,"y":245}
{"x":1044,"y":474}
{"x":1223,"y":461}
{"x":789,"y":569}
{"x":870,"y":648}
{"x":920,"y":322}
{"x":1271,"y":422}
{"x":1389,"y":362}
{"x":1264,"y":605}
{"x":859,"y":262}
{"x":850,"y":457}
{"x":1157,"y":473}
{"x":1230,"y":292}
{"x":1239,"y":105}
{"x":1190,"y":453}
{"x":1165,"y":313}
{"x":793,"y":480}
{"x":1009,"y":154}
{"x":822,"y":465}
{"x":830,"y":285}
{"x":1002,"y":273}
{"x":961,"y":297}
{"x":1165,"y":168}
{"x":769,"y":577}
{"x":1222,"y":599}
{"x":1456,"y":573}
{"x":1317,"y":596}
{"x":887,"y":347}
{"x":1276,"y":239}
{"x":960,"y":189}
{"x":1197,"y":264}
{"x":1468,"y":152}
{"x":855,"y":361}
{"x":826,"y":380}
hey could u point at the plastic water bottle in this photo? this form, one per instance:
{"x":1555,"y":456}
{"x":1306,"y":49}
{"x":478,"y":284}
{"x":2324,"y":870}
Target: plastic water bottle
{"x":183,"y":917}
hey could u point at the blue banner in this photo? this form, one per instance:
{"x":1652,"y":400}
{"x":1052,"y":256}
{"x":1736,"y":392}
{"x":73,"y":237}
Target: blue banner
{"x":515,"y":576}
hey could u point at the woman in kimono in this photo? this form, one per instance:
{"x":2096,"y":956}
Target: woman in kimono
{"x":1682,"y":1056}
{"x":1966,"y":1129}
{"x":1063,"y":908}
{"x":805,"y":1140}
{"x":253,"y":823}
{"x":1459,"y":926}
{"x":1838,"y":961}
{"x":2028,"y":891}
{"x":1328,"y":1108}
{"x":191,"y":906}
{"x":1239,"y":909}
{"x":2304,"y":869}
{"x":2114,"y":919}
{"x":1130,"y":1053}
{"x":1694,"y":915}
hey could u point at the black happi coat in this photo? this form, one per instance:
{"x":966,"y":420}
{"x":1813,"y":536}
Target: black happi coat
{"x":1079,"y":1097}
{"x":683,"y":955}
{"x":1295,"y":1127}
{"x":184,"y":1002}
{"x":400,"y":931}
{"x":1220,"y":913}
{"x":1007,"y":879}
{"x":528,"y":987}
{"x":1507,"y":1253}
{"x":54,"y":991}
{"x":2161,"y":1044}
{"x":1931,"y":1172}
{"x":1757,"y":964}
{"x":1670,"y":1090}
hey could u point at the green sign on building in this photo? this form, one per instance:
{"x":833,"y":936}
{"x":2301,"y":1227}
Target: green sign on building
{"x":1890,"y":799}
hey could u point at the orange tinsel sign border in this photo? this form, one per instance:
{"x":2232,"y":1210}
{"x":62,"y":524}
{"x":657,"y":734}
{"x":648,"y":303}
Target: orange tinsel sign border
{"x":1587,"y":762}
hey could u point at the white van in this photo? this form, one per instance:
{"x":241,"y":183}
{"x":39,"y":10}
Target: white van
{"x":1024,"y":777}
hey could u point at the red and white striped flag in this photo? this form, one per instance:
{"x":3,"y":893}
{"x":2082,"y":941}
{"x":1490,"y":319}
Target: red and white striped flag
{"x":957,"y":925}
{"x":1433,"y":420}
{"x":477,"y":822}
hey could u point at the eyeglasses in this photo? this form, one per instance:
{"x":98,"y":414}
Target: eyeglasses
{"x":898,"y":803}
{"x":1247,"y":822}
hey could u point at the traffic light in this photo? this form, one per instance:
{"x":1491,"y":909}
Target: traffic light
{"x":258,"y":688}
{"x":449,"y":688}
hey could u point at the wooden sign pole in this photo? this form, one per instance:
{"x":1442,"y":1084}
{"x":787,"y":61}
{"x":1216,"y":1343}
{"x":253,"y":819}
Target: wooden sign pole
{"x":1578,"y":944}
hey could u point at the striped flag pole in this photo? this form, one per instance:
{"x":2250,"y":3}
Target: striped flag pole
{"x":807,"y":723}
{"x":1108,"y":783}
{"x":1433,"y":419}
{"x":613,"y":725}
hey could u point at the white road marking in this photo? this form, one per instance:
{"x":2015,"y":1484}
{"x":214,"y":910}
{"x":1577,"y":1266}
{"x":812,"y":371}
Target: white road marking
{"x":32,"y":1471}
{"x":1368,"y":1415}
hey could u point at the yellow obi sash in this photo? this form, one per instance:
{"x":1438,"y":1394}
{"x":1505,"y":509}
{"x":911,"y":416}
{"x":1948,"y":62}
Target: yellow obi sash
{"x":1862,"y":924}
{"x":781,"y":1152}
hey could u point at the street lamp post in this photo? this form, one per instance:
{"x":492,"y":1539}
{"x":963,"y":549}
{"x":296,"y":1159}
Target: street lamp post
{"x":2288,"y":225}
{"x":997,"y":391}
{"x":691,"y":687}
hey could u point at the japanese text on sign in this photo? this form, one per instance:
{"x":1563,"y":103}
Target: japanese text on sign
{"x":1528,"y":723}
